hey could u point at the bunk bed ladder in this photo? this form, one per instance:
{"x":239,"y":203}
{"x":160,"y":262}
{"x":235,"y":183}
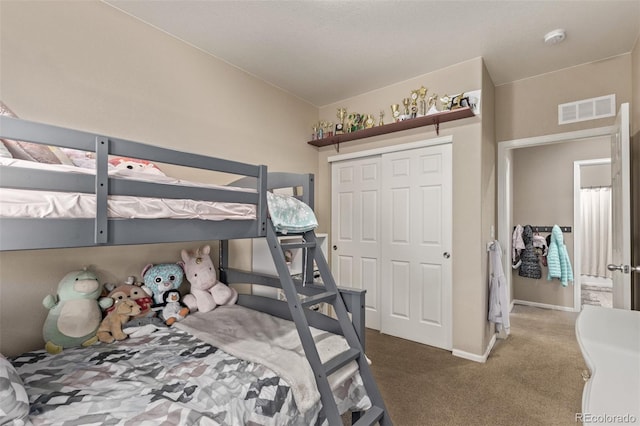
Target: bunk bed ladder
{"x":378,"y":412}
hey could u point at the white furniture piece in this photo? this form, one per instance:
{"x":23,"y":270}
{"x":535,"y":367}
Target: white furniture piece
{"x":263,"y":263}
{"x":610,"y":343}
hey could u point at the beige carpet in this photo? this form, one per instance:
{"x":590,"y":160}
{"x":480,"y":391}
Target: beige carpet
{"x":532,"y":378}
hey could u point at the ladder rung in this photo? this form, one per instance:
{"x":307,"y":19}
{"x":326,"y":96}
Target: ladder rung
{"x":319,"y":298}
{"x":298,"y":245}
{"x":371,"y":416}
{"x":339,"y":361}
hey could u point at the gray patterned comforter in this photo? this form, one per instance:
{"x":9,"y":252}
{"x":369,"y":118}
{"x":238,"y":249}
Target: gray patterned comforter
{"x":166,"y":378}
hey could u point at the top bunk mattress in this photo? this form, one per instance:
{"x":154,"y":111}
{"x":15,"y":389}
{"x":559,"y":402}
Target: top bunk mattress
{"x":19,"y":203}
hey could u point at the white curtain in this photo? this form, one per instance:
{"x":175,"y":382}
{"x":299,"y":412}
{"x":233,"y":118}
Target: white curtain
{"x":596,"y":231}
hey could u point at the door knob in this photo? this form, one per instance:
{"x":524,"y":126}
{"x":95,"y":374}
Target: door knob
{"x":446,"y":255}
{"x":335,"y":247}
{"x":613,"y":267}
{"x":623,"y":268}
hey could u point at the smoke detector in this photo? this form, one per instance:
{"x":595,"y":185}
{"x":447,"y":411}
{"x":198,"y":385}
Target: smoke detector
{"x":555,"y":36}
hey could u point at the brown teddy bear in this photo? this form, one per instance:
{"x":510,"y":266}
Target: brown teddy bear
{"x":111,"y":327}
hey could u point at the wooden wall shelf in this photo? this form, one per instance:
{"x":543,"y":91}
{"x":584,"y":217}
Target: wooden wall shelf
{"x":435,"y":119}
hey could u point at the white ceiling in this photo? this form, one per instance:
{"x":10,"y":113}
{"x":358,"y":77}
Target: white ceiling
{"x":327,"y":51}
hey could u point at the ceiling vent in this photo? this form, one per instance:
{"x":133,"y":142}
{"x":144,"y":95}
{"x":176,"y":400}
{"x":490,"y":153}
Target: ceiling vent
{"x":587,"y":109}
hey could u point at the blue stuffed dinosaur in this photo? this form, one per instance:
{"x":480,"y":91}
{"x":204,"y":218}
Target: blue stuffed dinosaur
{"x":75,"y":312}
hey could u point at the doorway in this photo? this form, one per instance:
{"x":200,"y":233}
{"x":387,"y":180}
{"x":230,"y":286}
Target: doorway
{"x":506,"y":172}
{"x":592,"y":239}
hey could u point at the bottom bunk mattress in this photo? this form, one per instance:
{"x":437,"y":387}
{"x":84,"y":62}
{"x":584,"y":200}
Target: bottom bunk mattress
{"x":171,"y":377}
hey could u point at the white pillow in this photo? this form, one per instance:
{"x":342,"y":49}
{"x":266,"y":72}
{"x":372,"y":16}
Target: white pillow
{"x":4,"y":152}
{"x":14,"y":402}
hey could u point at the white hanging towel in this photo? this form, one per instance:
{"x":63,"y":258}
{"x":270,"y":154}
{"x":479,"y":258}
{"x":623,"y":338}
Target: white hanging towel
{"x":498,"y":303}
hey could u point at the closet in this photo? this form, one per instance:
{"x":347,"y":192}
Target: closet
{"x":392,"y":236}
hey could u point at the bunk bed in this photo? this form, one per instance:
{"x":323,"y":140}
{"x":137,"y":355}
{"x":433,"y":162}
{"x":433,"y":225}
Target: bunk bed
{"x":82,"y":376}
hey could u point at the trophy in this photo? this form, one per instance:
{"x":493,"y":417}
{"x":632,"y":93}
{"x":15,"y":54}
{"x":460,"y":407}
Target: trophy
{"x":356,"y":122}
{"x":381,"y":122}
{"x":329,"y":131}
{"x":456,"y":102}
{"x":406,"y":102}
{"x":414,"y":104}
{"x":422,"y":91}
{"x":342,"y":113}
{"x":395,"y":112}
{"x":369,"y":122}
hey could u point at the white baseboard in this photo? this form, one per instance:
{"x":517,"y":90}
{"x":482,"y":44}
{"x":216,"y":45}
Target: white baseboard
{"x":544,"y":305}
{"x":473,"y":357}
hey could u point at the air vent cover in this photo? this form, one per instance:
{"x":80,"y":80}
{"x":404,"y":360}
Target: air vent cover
{"x":587,"y":109}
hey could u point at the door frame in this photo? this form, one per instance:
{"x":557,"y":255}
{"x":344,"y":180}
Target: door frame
{"x":577,"y":232}
{"x":505,"y":185}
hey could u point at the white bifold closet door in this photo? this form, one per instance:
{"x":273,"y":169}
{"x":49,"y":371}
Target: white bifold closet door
{"x":355,"y":230}
{"x":392,"y":233}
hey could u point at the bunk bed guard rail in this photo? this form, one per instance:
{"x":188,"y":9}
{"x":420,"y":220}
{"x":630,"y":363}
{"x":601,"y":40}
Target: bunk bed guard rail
{"x":18,"y":233}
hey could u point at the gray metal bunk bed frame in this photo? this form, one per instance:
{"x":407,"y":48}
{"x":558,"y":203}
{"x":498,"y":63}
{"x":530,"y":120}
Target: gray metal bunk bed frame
{"x":34,"y":233}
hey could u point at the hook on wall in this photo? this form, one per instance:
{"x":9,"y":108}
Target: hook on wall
{"x":547,"y":228}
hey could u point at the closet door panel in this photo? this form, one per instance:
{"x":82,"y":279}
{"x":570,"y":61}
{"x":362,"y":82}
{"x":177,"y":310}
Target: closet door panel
{"x":400,"y":290}
{"x":416,"y":210}
{"x":345,"y":209}
{"x":369,"y":272}
{"x":431,"y":279}
{"x":369,"y":224}
{"x":355,"y":230}
{"x":400,"y":211}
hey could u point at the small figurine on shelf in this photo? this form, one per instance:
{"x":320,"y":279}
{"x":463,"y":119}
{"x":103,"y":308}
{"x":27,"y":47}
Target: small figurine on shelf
{"x":431,"y":103}
{"x":381,"y":122}
{"x":445,"y":101}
